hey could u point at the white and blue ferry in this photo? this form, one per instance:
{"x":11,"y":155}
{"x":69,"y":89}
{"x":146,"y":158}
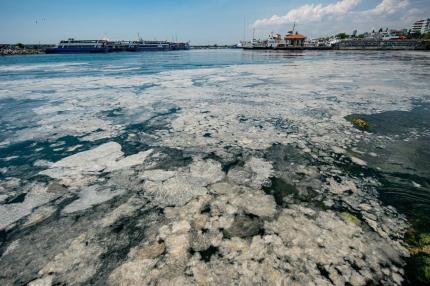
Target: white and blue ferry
{"x":72,"y":46}
{"x":142,"y":46}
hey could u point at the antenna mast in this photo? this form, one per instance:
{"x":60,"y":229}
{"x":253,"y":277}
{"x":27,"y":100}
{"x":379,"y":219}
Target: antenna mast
{"x":244,"y":29}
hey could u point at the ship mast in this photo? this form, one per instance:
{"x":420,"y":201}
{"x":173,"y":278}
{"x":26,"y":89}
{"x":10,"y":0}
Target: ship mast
{"x":292,"y":31}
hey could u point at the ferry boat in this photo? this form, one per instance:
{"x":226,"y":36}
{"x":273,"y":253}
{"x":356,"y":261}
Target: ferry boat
{"x":255,"y":45}
{"x":72,"y":46}
{"x":142,"y":46}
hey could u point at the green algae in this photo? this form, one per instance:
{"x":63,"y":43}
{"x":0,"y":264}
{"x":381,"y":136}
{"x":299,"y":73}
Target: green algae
{"x":419,"y":268}
{"x":350,"y":217}
{"x":424,"y":239}
{"x":361,"y":124}
{"x":418,"y":264}
{"x":405,"y":184}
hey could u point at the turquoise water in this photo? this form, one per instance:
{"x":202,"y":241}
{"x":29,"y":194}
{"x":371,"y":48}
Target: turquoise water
{"x":83,"y":135}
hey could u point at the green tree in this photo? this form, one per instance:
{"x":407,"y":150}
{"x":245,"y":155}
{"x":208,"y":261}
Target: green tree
{"x":415,"y":35}
{"x":342,"y":36}
{"x":20,"y":46}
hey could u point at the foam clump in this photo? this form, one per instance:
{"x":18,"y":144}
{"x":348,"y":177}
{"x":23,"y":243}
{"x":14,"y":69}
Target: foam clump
{"x":84,"y":167}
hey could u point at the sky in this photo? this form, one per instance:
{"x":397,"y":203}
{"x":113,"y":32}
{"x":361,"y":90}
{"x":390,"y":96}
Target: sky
{"x":198,"y":21}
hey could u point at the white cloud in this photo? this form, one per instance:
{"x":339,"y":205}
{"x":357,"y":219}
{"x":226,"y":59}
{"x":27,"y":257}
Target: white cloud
{"x":316,"y":20}
{"x":388,"y":7}
{"x":310,"y":13}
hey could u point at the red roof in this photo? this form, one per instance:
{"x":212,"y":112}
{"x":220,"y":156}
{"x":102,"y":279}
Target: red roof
{"x":295,"y":36}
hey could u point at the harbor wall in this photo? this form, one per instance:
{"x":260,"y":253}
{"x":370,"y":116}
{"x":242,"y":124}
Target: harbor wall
{"x":363,"y":44}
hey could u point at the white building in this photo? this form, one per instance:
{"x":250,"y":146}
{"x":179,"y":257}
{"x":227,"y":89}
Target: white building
{"x":421,"y":26}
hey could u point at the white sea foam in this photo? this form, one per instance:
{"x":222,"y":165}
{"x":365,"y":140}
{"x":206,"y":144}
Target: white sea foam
{"x":91,"y":196}
{"x":87,"y":165}
{"x":249,"y":108}
{"x":297,"y":92}
{"x":42,"y":67}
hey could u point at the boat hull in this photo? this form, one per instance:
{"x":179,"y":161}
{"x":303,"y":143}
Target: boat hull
{"x":256,"y":48}
{"x":76,"y":50}
{"x":157,"y":49}
{"x":147,"y":49}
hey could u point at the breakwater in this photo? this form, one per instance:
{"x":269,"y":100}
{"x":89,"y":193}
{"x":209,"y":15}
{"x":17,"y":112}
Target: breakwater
{"x":363,"y":44}
{"x":20,"y":49}
{"x":13,"y":51}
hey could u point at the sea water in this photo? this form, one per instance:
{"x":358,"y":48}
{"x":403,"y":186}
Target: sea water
{"x":228,"y":165}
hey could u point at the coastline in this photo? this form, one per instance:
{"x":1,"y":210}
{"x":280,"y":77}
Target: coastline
{"x":352,"y":45}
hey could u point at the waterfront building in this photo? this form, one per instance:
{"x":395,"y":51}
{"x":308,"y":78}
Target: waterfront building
{"x":288,"y":41}
{"x":421,"y":26}
{"x":295,"y":40}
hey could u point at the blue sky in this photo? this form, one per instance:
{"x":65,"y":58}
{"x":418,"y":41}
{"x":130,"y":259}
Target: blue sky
{"x":201,"y":22}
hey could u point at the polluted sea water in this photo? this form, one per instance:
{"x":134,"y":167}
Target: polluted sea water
{"x":215,"y":167}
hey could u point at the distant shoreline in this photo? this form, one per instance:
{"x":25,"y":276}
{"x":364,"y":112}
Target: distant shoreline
{"x":36,"y":51}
